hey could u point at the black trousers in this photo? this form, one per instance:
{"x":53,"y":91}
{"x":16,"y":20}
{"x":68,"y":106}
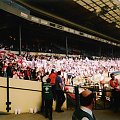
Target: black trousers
{"x":60,"y":99}
{"x":48,"y":108}
{"x":54,"y":92}
{"x":115,"y":99}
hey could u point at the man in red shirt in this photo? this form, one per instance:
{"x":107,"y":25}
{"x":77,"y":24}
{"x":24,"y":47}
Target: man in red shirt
{"x":115,"y":92}
{"x":53,"y":76}
{"x":114,"y":82}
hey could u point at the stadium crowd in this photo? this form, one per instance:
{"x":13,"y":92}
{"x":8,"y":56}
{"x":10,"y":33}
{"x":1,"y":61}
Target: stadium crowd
{"x":33,"y":67}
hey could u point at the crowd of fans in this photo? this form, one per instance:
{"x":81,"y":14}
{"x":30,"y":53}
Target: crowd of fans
{"x":31,"y":67}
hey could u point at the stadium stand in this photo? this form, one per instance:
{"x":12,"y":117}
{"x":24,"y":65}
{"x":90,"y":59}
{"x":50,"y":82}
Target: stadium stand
{"x":85,"y":57}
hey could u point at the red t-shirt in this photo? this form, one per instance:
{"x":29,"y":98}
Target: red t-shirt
{"x":114,"y":83}
{"x":52,"y":76}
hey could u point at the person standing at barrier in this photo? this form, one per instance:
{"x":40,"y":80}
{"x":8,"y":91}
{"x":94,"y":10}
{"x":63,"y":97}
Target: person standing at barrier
{"x":53,"y":76}
{"x":60,"y":98}
{"x":85,"y":110}
{"x":48,"y":98}
{"x":27,"y":73}
{"x":115,"y":92}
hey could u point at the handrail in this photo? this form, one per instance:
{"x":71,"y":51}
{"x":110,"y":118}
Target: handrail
{"x":21,"y":88}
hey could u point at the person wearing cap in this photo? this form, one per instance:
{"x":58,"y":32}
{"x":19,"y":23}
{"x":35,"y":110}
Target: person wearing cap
{"x":85,"y":110}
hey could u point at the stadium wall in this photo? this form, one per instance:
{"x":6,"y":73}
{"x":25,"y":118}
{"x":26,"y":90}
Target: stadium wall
{"x":24,"y":95}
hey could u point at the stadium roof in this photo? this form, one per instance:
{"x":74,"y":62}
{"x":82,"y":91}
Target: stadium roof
{"x":63,"y":15}
{"x":109,"y":10}
{"x":102,"y":16}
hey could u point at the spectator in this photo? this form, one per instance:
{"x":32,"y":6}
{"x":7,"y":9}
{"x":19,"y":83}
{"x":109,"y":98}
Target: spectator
{"x":1,"y":69}
{"x":46,"y":76}
{"x":27,"y":74}
{"x":4,"y":68}
{"x":38,"y":78}
{"x":21,"y":74}
{"x":33,"y":73}
{"x":15,"y":74}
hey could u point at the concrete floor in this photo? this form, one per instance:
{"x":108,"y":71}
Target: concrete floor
{"x":67,"y":115}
